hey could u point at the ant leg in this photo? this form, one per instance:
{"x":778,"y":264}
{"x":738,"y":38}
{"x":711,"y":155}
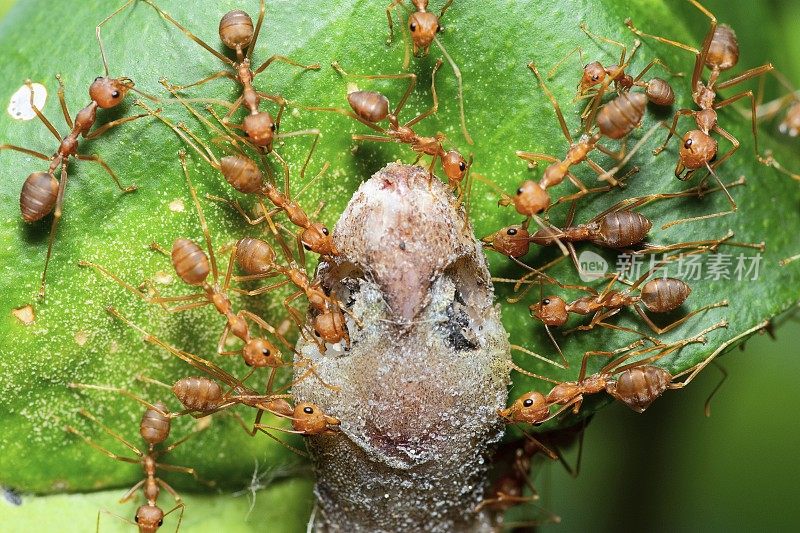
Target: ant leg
{"x":670,"y":327}
{"x":99,"y":160}
{"x":62,"y":100}
{"x":372,"y":138}
{"x":734,"y":98}
{"x":286,"y":60}
{"x":189,"y":139}
{"x":265,"y":325}
{"x":686,"y":47}
{"x":131,"y":492}
{"x":238,"y":208}
{"x":100,"y":40}
{"x":39,"y":114}
{"x":693,"y":372}
{"x":650,"y":65}
{"x":282,"y":103}
{"x":197,"y":362}
{"x":460,"y":83}
{"x":223,"y":339}
{"x":108,"y":125}
{"x":200,"y":215}
{"x":537,"y":356}
{"x":602,"y":174}
{"x":123,"y":392}
{"x":434,"y":107}
{"x":347,"y":113}
{"x":212,"y":77}
{"x":190,"y":35}
{"x":24,"y":151}
{"x":624,"y":49}
{"x":86,"y":414}
{"x":316,"y":134}
{"x":559,"y":115}
{"x":62,"y":187}
{"x":552,"y":71}
{"x":261,"y":11}
{"x":746,"y":75}
{"x":678,"y":114}
{"x":389,"y":11}
{"x":633,"y":151}
{"x":412,"y":82}
{"x":183,"y":469}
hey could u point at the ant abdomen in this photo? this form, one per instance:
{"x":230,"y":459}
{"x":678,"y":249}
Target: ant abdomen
{"x":660,"y":92}
{"x":619,"y":116}
{"x":236,"y":29}
{"x":198,"y":393}
{"x":38,"y":196}
{"x":723,"y":53}
{"x":190,"y":262}
{"x":370,"y":105}
{"x":640,"y":386}
{"x":620,"y":229}
{"x":242,"y":174}
{"x":254,"y":256}
{"x":662,"y":295}
{"x":155,"y":425}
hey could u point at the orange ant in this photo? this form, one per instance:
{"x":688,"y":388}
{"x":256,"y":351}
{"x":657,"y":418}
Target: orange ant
{"x":370,"y":107}
{"x":192,"y":266}
{"x":720,"y":51}
{"x":243,"y":174}
{"x":202,"y":396}
{"x":657,"y":90}
{"x":42,"y":193}
{"x":256,"y":258}
{"x":236,"y":31}
{"x":154,"y":429}
{"x":424,"y":26}
{"x":636,"y":384}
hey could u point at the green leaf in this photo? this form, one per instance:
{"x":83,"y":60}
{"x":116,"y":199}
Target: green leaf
{"x":73,"y":339}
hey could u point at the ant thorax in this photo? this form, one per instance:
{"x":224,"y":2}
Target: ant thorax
{"x":427,"y":367}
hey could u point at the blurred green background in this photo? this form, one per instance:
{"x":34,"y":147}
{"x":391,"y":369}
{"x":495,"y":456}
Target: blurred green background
{"x":672,"y":469}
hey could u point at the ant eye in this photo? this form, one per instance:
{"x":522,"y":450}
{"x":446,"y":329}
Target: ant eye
{"x":412,"y":27}
{"x":688,"y":143}
{"x":265,"y":352}
{"x":595,"y":77}
{"x":135,"y":518}
{"x":160,"y":523}
{"x":519,"y":191}
{"x":115,"y":94}
{"x":325,"y":231}
{"x":273,"y":127}
{"x":462,"y":166}
{"x":546,"y":301}
{"x":528,"y":402}
{"x":98,"y":78}
{"x":307,"y":247}
{"x":511,"y":231}
{"x":308,"y":410}
{"x":438,"y":28}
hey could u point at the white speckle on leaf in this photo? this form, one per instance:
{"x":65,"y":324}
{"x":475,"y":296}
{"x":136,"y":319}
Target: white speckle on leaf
{"x":19,"y":107}
{"x":81,"y":337}
{"x":176,"y":206}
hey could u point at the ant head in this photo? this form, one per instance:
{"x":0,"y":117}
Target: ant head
{"x":423,"y":26}
{"x":149,"y":518}
{"x":309,"y":419}
{"x":552,"y":311}
{"x":372,"y":106}
{"x":190,"y":262}
{"x":454,"y":166}
{"x":512,"y":241}
{"x":330,"y":326}
{"x":236,"y":29}
{"x":260,"y":128}
{"x":317,"y":238}
{"x":261,"y":353}
{"x":531,"y":198}
{"x":109,"y":92}
{"x":593,"y":74}
{"x":697,"y":149}
{"x":530,"y":408}
{"x":254,"y":256}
